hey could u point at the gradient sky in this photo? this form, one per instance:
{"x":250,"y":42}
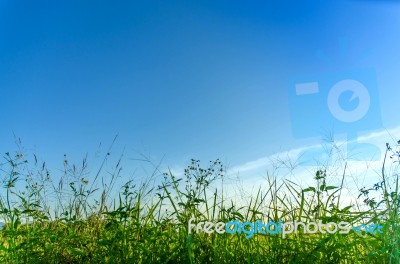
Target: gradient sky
{"x":187,"y":79}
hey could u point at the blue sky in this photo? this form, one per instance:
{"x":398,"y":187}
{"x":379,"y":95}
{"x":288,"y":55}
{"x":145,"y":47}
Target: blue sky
{"x":190,"y":79}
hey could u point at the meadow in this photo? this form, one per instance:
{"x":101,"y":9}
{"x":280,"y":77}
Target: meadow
{"x":84,"y":217}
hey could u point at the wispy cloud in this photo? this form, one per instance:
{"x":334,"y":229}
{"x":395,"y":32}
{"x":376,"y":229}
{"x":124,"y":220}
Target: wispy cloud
{"x":379,"y":139}
{"x":285,"y":165}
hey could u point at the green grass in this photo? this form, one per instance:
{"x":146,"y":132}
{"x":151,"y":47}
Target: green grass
{"x":79,"y":219}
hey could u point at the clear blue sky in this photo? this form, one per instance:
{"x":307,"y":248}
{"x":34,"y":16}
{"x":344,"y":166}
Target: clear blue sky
{"x":187,"y":79}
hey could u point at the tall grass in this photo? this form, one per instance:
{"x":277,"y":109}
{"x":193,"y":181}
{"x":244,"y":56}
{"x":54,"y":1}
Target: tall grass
{"x":78,"y":219}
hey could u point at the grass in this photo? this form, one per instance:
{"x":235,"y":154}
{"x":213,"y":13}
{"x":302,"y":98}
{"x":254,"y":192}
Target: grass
{"x":79,"y":219}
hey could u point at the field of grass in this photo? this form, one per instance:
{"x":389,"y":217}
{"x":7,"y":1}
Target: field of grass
{"x":78,"y":219}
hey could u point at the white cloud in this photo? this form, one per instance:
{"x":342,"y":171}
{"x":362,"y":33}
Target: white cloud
{"x":285,"y":165}
{"x":378,"y":139}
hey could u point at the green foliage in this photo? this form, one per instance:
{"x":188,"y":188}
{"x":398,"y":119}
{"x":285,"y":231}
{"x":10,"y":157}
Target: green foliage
{"x":74,"y":221}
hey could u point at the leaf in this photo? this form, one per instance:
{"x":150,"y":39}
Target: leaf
{"x":17,"y":222}
{"x":346,"y":209}
{"x":309,"y":189}
{"x":197,"y":200}
{"x":238,"y":215}
{"x":327,"y":188}
{"x":110,"y":225}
